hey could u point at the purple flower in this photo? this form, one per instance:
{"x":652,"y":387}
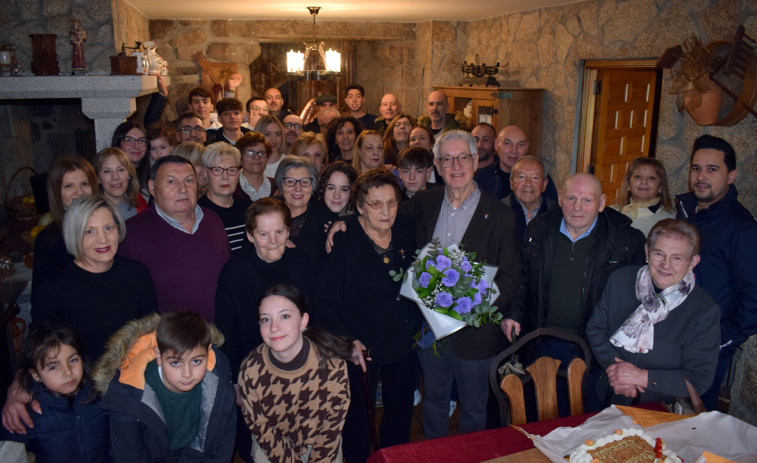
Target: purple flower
{"x":442,"y":262}
{"x":443,"y":299}
{"x":477,"y":298}
{"x":465,"y":266}
{"x":450,"y":277}
{"x":482,"y":285}
{"x":464,"y":305}
{"x":424,"y":279}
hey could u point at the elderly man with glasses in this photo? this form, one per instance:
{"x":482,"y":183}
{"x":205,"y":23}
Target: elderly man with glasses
{"x":460,"y":214}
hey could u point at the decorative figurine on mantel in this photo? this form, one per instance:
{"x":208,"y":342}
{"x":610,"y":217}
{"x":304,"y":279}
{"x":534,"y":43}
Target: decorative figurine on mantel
{"x":77,"y":37}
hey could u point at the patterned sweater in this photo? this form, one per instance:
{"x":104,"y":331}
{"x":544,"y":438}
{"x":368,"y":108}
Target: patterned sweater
{"x":288,"y":411}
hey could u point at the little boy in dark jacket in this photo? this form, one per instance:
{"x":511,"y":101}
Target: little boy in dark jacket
{"x":169,"y":392}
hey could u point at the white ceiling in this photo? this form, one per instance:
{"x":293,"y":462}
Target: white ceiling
{"x":340,"y":10}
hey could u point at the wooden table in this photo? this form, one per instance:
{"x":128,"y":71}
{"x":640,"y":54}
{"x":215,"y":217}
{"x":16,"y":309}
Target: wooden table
{"x":481,"y":446}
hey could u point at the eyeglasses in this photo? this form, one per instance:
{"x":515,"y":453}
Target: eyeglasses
{"x":259,"y":108}
{"x":132,"y":140}
{"x":290,"y":125}
{"x":187,"y":130}
{"x":464,"y":160}
{"x":218,"y":171}
{"x":290,"y":182}
{"x":253,"y":153}
{"x":405,"y":124}
{"x":376,"y":205}
{"x":676,"y":260}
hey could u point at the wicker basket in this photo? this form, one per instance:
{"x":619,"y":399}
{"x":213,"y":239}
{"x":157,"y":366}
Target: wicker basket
{"x":15,"y":206}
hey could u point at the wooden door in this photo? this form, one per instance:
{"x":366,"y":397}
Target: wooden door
{"x":624,"y":127}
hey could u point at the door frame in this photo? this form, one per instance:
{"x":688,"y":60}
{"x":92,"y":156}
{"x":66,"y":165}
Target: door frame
{"x":584,"y":127}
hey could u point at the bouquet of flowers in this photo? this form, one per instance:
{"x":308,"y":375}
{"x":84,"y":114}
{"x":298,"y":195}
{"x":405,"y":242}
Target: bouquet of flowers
{"x":451,"y":289}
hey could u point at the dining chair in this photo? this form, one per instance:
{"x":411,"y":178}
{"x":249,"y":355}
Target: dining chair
{"x":543,"y":372}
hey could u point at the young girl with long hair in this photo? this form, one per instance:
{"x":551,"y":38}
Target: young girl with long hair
{"x":294,"y":386}
{"x":72,"y":426}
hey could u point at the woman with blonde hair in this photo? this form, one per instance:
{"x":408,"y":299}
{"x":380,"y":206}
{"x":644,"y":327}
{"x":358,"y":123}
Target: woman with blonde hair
{"x":224,"y":164}
{"x":644,"y":194}
{"x":273,"y":131}
{"x":370,"y":151}
{"x":118,"y":181}
{"x":312,"y":146}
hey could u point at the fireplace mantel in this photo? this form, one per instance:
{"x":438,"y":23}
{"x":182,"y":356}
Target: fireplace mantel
{"x":107,"y":100}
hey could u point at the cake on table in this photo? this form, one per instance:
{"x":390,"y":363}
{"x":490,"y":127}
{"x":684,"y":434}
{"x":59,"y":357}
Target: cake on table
{"x":624,"y":446}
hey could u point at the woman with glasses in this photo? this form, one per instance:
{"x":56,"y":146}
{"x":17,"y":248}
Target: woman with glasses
{"x":131,"y":137}
{"x":273,"y":131}
{"x":253,"y":183}
{"x":296,"y":178}
{"x":118,"y":182}
{"x":654,"y":330}
{"x":397,"y":136}
{"x":357,"y":297}
{"x":222,"y":163}
{"x":244,"y":280}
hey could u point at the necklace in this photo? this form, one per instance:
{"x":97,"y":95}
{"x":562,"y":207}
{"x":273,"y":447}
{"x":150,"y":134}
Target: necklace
{"x":381,"y":251}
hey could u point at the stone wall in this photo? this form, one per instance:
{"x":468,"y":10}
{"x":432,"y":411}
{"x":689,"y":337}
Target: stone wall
{"x":129,"y":25}
{"x":23,"y":17}
{"x":543,"y":48}
{"x":384,"y":61}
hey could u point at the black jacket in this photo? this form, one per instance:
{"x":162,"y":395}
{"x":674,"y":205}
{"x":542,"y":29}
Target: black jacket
{"x":619,"y":245}
{"x":728,"y":269}
{"x":137,"y":429}
{"x":65,"y":433}
{"x":492,"y":235}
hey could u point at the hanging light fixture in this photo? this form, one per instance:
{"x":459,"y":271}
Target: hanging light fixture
{"x":314,"y":64}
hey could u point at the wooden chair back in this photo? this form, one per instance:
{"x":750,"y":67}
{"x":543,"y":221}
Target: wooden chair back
{"x":543,"y":372}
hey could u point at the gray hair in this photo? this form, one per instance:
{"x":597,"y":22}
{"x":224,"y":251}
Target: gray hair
{"x":454,"y":135}
{"x":77,"y":217}
{"x":215,"y":151}
{"x":293,"y":162}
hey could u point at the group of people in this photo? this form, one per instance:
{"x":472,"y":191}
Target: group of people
{"x":270,"y":253}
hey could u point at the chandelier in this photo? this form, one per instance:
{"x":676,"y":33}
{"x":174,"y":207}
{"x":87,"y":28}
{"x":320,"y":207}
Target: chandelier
{"x":314,"y":64}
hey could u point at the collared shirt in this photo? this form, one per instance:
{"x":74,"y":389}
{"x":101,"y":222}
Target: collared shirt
{"x":530,"y":214}
{"x":263,"y":192}
{"x":175,"y":223}
{"x":452,"y":222}
{"x":564,"y":230}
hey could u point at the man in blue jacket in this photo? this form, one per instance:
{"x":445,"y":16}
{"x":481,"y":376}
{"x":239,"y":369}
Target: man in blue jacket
{"x":729,"y":234}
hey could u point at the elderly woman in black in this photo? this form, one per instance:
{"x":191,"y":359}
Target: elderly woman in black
{"x":358,"y":298}
{"x":245,"y":278}
{"x":654,"y":329}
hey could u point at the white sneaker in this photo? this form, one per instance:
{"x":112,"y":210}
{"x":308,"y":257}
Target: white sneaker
{"x":417,"y":398}
{"x":452,"y":407}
